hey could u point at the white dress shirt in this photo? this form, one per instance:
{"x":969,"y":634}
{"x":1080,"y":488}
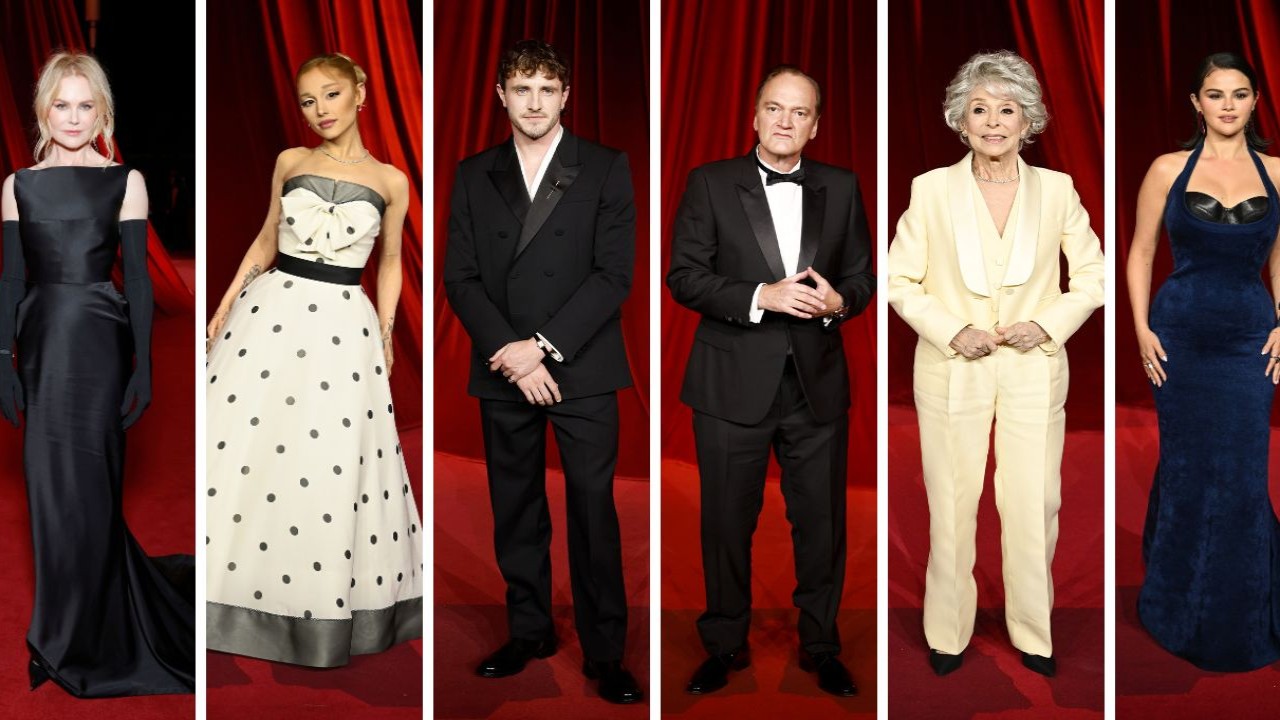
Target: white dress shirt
{"x":532,"y":185}
{"x":786,"y":207}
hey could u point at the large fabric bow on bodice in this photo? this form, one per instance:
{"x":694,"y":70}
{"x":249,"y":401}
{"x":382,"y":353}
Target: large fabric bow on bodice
{"x":324,"y":227}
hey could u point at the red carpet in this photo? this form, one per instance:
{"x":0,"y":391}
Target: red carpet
{"x":993,"y":683}
{"x":470,"y":617}
{"x":774,"y":686}
{"x":385,"y":686}
{"x":158,"y":505}
{"x":1149,"y":681}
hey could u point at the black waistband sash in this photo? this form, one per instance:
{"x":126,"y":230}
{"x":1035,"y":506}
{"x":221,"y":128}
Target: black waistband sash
{"x":335,"y":274}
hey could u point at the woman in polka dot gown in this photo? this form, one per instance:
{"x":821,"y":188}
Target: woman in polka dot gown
{"x":314,"y":547}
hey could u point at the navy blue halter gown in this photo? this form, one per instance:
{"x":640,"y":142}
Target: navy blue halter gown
{"x":1212,"y":542}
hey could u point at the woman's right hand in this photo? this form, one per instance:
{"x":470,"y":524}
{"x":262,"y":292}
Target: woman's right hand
{"x":1153,"y":354}
{"x":973,"y":343}
{"x":215,"y":327}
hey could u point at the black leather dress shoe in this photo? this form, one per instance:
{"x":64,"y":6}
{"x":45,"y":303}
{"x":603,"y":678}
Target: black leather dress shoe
{"x":713,"y":673}
{"x":615,"y":684}
{"x":512,"y":657}
{"x":832,"y":675}
{"x":943,"y":664}
{"x":1046,"y":666}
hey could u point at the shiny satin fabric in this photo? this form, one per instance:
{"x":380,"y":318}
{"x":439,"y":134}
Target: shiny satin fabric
{"x":107,"y":619}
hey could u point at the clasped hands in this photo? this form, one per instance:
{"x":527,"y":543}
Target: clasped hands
{"x":520,"y":362}
{"x":793,"y":297}
{"x":1022,"y":336}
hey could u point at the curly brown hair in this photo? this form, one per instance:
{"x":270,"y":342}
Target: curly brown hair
{"x":532,"y":56}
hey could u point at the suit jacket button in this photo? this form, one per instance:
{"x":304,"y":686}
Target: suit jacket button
{"x":559,"y":232}
{"x":502,"y":233}
{"x":548,"y":273}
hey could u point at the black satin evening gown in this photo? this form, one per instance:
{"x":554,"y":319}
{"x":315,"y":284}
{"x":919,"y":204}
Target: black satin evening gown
{"x":1212,"y":542}
{"x":108,"y":620}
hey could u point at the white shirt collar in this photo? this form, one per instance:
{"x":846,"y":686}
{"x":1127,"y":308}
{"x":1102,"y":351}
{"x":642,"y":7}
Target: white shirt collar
{"x":787,"y":172}
{"x":532,"y":187}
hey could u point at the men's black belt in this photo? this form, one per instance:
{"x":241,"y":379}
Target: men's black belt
{"x":336,"y":274}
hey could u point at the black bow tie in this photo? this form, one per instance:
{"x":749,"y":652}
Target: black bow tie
{"x":772,"y":177}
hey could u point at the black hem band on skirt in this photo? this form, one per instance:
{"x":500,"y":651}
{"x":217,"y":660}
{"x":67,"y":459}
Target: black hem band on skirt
{"x":310,"y":641}
{"x":336,"y":274}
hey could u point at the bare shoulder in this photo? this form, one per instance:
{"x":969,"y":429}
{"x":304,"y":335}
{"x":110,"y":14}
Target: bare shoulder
{"x":8,"y":203}
{"x":1272,"y":164}
{"x":1168,"y":165}
{"x":289,"y":159}
{"x":397,"y":183}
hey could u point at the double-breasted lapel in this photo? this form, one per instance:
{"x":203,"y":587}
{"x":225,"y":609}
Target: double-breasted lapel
{"x":508,"y":179}
{"x":962,"y":191}
{"x":561,"y":173}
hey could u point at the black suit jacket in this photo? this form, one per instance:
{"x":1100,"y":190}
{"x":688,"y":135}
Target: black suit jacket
{"x":560,"y":265}
{"x":724,"y":246}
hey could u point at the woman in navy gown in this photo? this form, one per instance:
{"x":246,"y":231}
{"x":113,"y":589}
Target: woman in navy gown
{"x":1210,"y":345}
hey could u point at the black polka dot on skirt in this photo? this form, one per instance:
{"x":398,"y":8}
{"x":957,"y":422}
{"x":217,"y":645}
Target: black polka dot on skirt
{"x":289,"y":400}
{"x":253,"y":309}
{"x":306,"y":614}
{"x":271,"y":497}
{"x":235,"y":518}
{"x":254,"y":421}
{"x":315,"y":433}
{"x":304,"y":482}
{"x":212,"y":492}
{"x":346,"y":294}
{"x":364,"y":498}
{"x":312,"y":307}
{"x":276,"y":328}
{"x":379,"y":580}
{"x":347,"y":554}
{"x":222,"y":444}
{"x":337,"y":340}
{"x":324,"y":384}
{"x":231,"y":566}
{"x":242,"y":352}
{"x":231,"y":398}
{"x":315,"y":566}
{"x":328,"y":517}
{"x":346,"y":422}
{"x":262,"y":546}
{"x":293,"y":530}
{"x":288,"y":283}
{"x":302,"y":353}
{"x":339,"y":602}
{"x":373,"y":539}
{"x":257,"y":594}
{"x":284,"y":579}
{"x":244,"y":470}
{"x":280,"y":449}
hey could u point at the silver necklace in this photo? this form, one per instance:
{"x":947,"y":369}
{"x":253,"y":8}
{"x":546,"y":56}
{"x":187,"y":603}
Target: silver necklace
{"x":345,"y":162}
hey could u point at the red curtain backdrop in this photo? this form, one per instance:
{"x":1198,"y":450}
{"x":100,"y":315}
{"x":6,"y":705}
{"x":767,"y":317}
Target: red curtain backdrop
{"x":254,"y":48}
{"x":606,"y":45}
{"x":1156,"y":114}
{"x":714,"y":53}
{"x":1063,"y":41}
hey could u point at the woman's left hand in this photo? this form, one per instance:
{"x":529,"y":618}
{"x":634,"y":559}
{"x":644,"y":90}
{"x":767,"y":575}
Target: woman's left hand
{"x":1023,"y":336}
{"x":1272,"y":348}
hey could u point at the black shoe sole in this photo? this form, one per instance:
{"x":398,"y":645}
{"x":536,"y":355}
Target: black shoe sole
{"x":943,"y":664}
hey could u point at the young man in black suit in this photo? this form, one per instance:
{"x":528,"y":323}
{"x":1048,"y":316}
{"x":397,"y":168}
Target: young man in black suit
{"x":539,"y":260}
{"x":774,"y":253}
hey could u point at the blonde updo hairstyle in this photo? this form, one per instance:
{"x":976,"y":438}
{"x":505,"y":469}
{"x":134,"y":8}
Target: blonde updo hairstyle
{"x":72,"y":64}
{"x":339,"y":63}
{"x":1002,"y":71}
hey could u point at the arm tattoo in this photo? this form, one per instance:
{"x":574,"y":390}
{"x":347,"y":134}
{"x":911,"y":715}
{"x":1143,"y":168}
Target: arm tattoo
{"x":250,"y":276}
{"x":386,"y":333}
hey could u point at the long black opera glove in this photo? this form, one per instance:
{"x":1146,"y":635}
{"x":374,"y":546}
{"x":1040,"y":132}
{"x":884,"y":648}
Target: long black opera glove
{"x":137,"y":290}
{"x":13,"y":287}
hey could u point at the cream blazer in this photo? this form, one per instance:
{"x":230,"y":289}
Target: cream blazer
{"x":940,"y":282}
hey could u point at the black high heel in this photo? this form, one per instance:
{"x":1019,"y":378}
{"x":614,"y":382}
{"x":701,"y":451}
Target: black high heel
{"x":37,"y":674}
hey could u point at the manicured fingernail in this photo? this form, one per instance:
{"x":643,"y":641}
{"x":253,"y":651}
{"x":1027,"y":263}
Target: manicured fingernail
{"x":1164,"y":358}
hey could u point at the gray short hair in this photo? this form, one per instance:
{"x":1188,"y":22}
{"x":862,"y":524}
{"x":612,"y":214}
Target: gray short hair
{"x":1002,"y":70}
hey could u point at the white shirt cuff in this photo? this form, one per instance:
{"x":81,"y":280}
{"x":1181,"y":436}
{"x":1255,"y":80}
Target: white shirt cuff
{"x":757,"y":313}
{"x":555,"y":354}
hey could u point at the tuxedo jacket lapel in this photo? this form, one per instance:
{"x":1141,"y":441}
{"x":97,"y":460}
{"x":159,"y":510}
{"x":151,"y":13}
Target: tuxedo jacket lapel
{"x":561,"y":173}
{"x":756,"y":206}
{"x":508,"y":178}
{"x":813,"y":211}
{"x":1022,"y":256}
{"x":964,"y":227}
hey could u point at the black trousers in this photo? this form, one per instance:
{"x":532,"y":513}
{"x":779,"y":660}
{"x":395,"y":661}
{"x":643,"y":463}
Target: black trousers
{"x":732,"y":462}
{"x":515,"y":451}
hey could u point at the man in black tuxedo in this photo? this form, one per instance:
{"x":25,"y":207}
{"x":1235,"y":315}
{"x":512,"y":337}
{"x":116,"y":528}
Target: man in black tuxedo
{"x":774,"y":253}
{"x":539,"y":260}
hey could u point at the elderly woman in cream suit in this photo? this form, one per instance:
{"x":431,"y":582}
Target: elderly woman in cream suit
{"x":974,"y":271}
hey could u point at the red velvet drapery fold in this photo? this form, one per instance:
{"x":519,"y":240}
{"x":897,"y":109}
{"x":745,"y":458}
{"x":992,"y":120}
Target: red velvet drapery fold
{"x":606,"y":45}
{"x":1154,"y":114}
{"x":32,"y":32}
{"x":1063,"y":41}
{"x":709,"y":79}
{"x":254,"y":48}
